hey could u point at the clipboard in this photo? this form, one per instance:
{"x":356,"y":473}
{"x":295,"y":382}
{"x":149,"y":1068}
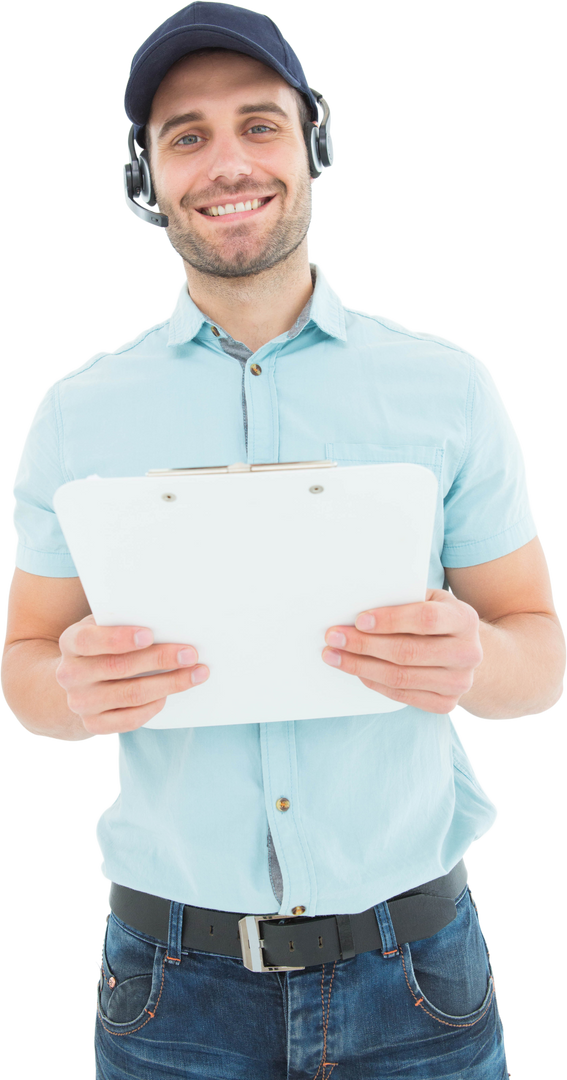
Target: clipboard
{"x":251,"y":564}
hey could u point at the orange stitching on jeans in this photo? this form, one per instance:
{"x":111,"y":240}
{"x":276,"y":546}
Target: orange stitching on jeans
{"x":432,"y":1015}
{"x":323,"y":1064}
{"x":150,"y":1015}
{"x":176,"y":958}
{"x":392,"y":952}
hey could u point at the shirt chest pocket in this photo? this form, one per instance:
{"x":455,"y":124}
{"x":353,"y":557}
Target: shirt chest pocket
{"x":429,"y":456}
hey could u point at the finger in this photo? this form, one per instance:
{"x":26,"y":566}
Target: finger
{"x":122,"y":720}
{"x":101,"y":697}
{"x":418,"y":699}
{"x":85,"y":638}
{"x":438,"y":615}
{"x":454,"y":680}
{"x":81,"y":672}
{"x":416,"y":650}
{"x":121,"y":665}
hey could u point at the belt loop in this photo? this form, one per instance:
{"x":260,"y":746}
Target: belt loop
{"x":346,"y":940}
{"x":387,"y":932}
{"x":175,"y":932}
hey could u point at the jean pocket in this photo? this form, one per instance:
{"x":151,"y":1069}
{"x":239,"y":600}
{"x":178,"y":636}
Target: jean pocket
{"x":131,"y":978}
{"x":449,"y":974}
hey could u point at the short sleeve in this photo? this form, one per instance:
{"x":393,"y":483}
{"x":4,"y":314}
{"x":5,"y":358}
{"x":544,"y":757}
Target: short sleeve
{"x":41,"y":545}
{"x":487,"y":512}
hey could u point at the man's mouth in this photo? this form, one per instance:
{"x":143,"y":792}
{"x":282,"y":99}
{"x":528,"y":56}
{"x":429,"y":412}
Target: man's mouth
{"x":226,"y":209}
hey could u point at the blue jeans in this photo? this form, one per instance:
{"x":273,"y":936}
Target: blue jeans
{"x":424,"y":1011}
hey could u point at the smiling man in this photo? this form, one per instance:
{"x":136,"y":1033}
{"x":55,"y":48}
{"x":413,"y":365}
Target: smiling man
{"x":348,"y":832}
{"x":241,"y":223}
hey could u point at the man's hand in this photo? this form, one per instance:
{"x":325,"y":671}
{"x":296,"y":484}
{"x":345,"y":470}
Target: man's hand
{"x":423,"y":654}
{"x":97,"y":667}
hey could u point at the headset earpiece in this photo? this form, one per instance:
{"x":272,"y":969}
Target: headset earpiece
{"x":135,"y":181}
{"x":318,"y":139}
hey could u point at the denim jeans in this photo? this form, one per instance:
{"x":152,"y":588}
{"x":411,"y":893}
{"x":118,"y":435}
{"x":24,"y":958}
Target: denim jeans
{"x":424,"y":1011}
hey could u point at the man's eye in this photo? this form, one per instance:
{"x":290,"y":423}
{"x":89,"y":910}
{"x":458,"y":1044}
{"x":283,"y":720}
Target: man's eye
{"x":179,"y":142}
{"x":182,"y":141}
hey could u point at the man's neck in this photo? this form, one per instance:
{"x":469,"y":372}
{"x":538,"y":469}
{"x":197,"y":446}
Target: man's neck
{"x":257,"y":308}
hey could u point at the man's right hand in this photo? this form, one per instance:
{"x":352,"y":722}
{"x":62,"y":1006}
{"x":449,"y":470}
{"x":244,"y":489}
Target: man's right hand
{"x":97,"y":669}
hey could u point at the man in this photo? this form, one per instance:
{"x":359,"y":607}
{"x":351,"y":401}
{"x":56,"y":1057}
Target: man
{"x":351,"y":829}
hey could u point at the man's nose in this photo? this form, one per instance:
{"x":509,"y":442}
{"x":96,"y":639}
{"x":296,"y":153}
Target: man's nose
{"x":228,"y":158}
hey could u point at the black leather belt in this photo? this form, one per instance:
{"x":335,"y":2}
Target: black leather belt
{"x":272,"y":942}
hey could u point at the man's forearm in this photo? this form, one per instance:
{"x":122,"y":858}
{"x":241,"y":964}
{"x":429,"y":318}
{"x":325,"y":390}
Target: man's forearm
{"x":522,"y":667}
{"x":33,"y":693}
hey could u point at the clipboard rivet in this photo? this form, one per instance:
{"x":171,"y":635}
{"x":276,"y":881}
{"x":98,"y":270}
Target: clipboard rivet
{"x":316,"y":489}
{"x":169,"y":497}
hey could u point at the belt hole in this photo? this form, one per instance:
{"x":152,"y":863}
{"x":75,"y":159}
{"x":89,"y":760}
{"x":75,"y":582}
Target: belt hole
{"x":211,"y":931}
{"x":320,"y":942}
{"x":291,"y":946}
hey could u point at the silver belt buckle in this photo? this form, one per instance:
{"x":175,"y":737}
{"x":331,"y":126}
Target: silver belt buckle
{"x":252,"y":944}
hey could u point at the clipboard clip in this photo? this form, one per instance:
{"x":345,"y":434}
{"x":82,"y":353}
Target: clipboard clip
{"x":244,"y":467}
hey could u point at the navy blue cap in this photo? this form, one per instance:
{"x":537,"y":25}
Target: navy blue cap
{"x":200,"y":26}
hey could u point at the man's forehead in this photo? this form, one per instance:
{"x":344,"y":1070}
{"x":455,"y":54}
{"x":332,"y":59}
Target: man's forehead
{"x":202,"y":75}
{"x":184,"y":96}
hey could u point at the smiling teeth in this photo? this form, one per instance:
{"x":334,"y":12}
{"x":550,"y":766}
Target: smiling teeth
{"x":229,"y":208}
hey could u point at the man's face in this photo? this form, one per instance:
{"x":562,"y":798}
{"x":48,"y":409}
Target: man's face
{"x":224,"y":130}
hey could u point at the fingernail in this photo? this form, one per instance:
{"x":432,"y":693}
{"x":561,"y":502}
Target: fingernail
{"x":142,"y":638}
{"x":199,"y":675}
{"x":187,"y":656}
{"x":334,"y":637}
{"x":332,"y":657}
{"x":365,"y":622}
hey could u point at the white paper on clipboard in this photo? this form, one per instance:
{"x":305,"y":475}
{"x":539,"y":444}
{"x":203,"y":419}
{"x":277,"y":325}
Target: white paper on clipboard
{"x":252,"y":569}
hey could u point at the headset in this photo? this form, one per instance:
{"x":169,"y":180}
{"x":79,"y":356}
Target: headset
{"x":138,"y":179}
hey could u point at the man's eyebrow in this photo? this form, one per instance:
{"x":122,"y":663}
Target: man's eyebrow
{"x":244,"y":110}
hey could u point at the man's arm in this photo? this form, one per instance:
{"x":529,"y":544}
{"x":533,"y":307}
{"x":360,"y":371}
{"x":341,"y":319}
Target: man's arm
{"x":522,"y":643}
{"x":494,"y":645}
{"x":68,"y":678}
{"x":39,"y":610}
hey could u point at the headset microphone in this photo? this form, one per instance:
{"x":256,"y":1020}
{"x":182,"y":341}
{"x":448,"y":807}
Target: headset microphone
{"x":138,"y":180}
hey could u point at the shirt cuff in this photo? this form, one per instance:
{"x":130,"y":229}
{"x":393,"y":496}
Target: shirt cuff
{"x":474,"y":552}
{"x":45,"y":563}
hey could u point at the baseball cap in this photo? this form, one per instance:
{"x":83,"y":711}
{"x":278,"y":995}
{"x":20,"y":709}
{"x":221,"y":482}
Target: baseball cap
{"x":202,"y":25}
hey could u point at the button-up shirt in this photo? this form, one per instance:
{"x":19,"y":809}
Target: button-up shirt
{"x":354,"y":809}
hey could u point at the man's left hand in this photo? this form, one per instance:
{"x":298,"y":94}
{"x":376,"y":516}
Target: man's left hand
{"x":423,"y":654}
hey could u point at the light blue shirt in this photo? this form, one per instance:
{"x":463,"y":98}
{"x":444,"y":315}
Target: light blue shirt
{"x":379,"y":803}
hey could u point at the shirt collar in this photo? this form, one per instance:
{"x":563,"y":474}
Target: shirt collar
{"x":324,"y":307}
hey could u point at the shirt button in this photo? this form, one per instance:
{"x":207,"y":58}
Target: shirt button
{"x":298,"y":910}
{"x":215,"y":331}
{"x":283,"y":804}
{"x":256,"y":369}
